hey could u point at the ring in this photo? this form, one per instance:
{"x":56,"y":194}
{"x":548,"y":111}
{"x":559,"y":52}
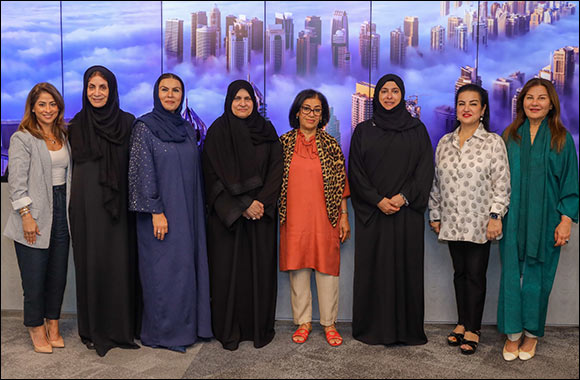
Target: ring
{"x":158,"y":231}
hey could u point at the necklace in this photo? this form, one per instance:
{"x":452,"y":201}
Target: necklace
{"x":51,"y":140}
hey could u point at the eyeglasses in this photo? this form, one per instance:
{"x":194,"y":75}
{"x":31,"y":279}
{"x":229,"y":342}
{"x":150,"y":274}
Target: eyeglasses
{"x":308,"y":110}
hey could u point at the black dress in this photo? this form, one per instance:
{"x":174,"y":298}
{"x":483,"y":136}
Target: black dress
{"x":105,"y":255}
{"x":243,"y":255}
{"x":388,"y":304}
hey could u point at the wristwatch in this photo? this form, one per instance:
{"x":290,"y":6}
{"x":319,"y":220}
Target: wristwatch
{"x":495,"y":215}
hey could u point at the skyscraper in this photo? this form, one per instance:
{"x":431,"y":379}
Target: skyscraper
{"x":467,"y":76}
{"x":535,"y":20}
{"x":306,"y":53}
{"x":445,"y":118}
{"x":362,"y":103}
{"x":502,"y":91}
{"x":174,"y":39}
{"x":398,"y":47}
{"x":491,"y":28}
{"x":563,"y":69}
{"x":207,"y":42}
{"x":444,"y":8}
{"x":275,"y":46}
{"x":452,"y":23}
{"x":438,"y":38}
{"x":197,"y":19}
{"x":333,"y":126}
{"x":479,"y":29}
{"x":461,"y":40}
{"x":369,"y":42}
{"x":238,"y":44}
{"x":315,"y":23}
{"x":339,"y":22}
{"x":215,"y":20}
{"x":257,"y":34}
{"x":340,"y":52}
{"x":411,"y":29}
{"x":285,"y":19}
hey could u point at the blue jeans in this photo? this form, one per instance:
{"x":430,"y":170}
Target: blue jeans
{"x":43,"y":271}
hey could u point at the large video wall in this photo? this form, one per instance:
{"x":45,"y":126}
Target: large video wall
{"x":339,"y":48}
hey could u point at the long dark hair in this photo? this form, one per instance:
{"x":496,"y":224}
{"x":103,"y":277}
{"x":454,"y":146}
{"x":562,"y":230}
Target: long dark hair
{"x":557,"y":128}
{"x":484,"y":99}
{"x":29,"y":122}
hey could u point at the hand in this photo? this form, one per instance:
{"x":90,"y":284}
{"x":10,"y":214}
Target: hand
{"x":30,"y":228}
{"x":387,"y":207}
{"x":562,"y":232}
{"x":160,"y":227}
{"x":344,"y":228}
{"x":493,"y":229}
{"x":398,"y":200}
{"x":435,"y":226}
{"x":255,"y":211}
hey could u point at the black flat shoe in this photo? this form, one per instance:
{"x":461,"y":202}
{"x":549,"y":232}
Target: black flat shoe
{"x":471,"y":343}
{"x":458,"y":339}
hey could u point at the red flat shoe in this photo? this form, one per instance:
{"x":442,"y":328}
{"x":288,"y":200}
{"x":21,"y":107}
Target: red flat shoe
{"x":333,"y":335}
{"x":300,"y":333}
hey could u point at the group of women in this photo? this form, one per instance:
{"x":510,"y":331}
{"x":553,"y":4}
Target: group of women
{"x":172,"y":245}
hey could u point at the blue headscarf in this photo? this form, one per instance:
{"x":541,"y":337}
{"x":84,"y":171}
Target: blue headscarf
{"x":166,"y":126}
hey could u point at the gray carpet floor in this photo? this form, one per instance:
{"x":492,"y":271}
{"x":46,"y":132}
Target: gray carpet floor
{"x":557,"y":357}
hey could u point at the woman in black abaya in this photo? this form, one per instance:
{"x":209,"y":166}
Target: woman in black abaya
{"x":102,"y":229}
{"x":242,"y":163}
{"x":390,"y":174}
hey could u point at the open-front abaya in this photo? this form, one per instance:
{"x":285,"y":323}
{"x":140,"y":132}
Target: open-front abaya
{"x":389,"y":154}
{"x":102,"y":229}
{"x":242,"y":161}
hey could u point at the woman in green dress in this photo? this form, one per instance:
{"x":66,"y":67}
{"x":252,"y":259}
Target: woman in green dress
{"x":544,"y":203}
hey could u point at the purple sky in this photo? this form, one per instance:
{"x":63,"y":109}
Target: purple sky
{"x":127,"y":38}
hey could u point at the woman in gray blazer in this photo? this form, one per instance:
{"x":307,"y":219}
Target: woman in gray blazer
{"x":39,"y":166}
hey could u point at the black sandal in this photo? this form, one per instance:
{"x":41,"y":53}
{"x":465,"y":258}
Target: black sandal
{"x":458,"y":339}
{"x":471,"y":343}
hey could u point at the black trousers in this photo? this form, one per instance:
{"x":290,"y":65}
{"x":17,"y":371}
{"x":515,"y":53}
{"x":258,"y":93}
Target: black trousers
{"x":470,"y":264}
{"x":43,"y":271}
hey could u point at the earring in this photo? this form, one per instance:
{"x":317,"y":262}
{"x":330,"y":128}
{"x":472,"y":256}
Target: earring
{"x":481,"y":118}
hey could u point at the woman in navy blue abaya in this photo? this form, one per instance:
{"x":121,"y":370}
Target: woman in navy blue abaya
{"x":166,"y":190}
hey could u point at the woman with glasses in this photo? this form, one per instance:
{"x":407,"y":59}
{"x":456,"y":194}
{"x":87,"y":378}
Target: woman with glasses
{"x":313,"y":214}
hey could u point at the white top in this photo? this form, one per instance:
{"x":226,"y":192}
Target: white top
{"x":470,"y":183}
{"x":60,"y":161}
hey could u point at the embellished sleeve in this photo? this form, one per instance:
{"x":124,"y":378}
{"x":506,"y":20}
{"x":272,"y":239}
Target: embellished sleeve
{"x":435,"y":194}
{"x":143,"y":188}
{"x":500,"y":178}
{"x":568,"y":181}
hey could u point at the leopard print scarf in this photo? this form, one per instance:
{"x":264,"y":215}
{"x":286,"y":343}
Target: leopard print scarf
{"x":333,"y":172}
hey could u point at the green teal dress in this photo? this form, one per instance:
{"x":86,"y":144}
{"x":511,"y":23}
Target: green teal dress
{"x":544,"y":187}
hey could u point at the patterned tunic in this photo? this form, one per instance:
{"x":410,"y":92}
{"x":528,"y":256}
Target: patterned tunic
{"x":470,"y":183}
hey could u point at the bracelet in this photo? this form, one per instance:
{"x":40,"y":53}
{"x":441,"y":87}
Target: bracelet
{"x":344,"y":212}
{"x":25,"y":212}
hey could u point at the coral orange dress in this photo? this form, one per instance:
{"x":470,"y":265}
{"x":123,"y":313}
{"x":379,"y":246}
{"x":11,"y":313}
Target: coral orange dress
{"x":307,"y":239}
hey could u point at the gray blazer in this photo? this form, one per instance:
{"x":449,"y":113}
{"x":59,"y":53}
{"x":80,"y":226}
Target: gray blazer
{"x":30,"y":183}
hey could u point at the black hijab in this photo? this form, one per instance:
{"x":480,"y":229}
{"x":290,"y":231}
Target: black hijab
{"x":166,"y":126}
{"x":97,"y":133}
{"x":397,"y":119}
{"x":231,"y":150}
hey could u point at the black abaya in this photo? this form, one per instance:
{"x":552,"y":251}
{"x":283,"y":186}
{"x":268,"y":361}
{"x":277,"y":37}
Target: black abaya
{"x":243,"y":253}
{"x":388,"y":304}
{"x":105,"y":255}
